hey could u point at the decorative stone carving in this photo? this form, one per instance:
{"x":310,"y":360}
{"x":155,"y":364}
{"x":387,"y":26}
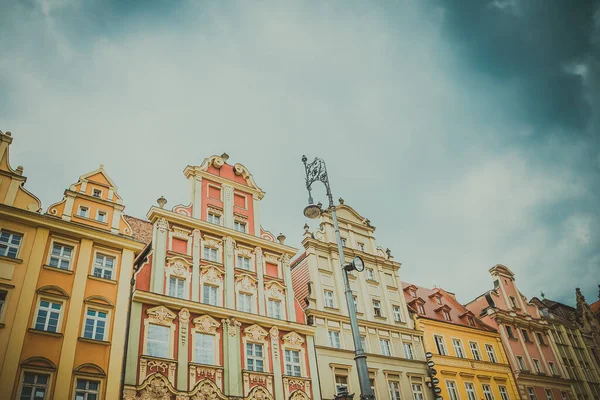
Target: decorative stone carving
{"x":271,"y":258}
{"x":212,"y":242}
{"x":214,"y":210}
{"x":196,"y":238}
{"x":184,"y":319}
{"x":228,"y":191}
{"x":161,"y":315}
{"x":179,"y":267}
{"x":246,"y":283}
{"x":293,"y":339}
{"x":259,"y":256}
{"x":243,"y":251}
{"x":274,"y":333}
{"x":229,"y":245}
{"x":285,"y":260}
{"x":259,"y":393}
{"x":275,"y":290}
{"x":240,"y":218}
{"x":232,"y":324}
{"x":255,"y":333}
{"x":207,"y":390}
{"x":162,"y":225}
{"x":181,"y":233}
{"x":299,"y":395}
{"x":157,"y":386}
{"x":212,"y":275}
{"x":206,"y":324}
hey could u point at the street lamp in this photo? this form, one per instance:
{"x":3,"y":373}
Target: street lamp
{"x":316,"y":171}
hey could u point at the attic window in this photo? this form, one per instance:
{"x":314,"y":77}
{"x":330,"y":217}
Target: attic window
{"x":446,"y":315}
{"x":83,"y":211}
{"x":97,"y":193}
{"x":471,"y":321}
{"x":413,"y":293}
{"x":438,"y":300}
{"x":101,"y":216}
{"x":420,"y":309}
{"x":513,"y":301}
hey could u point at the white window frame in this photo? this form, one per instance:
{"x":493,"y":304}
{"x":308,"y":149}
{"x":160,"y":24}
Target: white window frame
{"x":548,"y":394}
{"x":521,"y":363}
{"x":552,"y":368}
{"x":241,"y":260}
{"x":180,"y":288}
{"x":104,"y":213}
{"x":328,"y":298}
{"x":394,"y":389}
{"x":420,"y":309}
{"x":240,"y":226}
{"x":213,"y":218}
{"x":254,"y":357}
{"x":208,"y":252}
{"x":87,"y":391}
{"x":271,"y":311}
{"x":339,"y":385}
{"x":48,"y":309}
{"x":243,"y":306}
{"x":386,"y":347}
{"x":446,"y":314}
{"x":377,"y":311}
{"x":216,"y":293}
{"x":458,"y":348}
{"x":7,"y":246}
{"x":334,"y":338}
{"x":86,"y":211}
{"x":169,"y":340}
{"x":440,"y":345}
{"x":34,"y":385}
{"x":409,"y":353}
{"x":452,"y":391}
{"x":471,"y":391}
{"x":503,"y":392}
{"x":3,"y":302}
{"x":96,"y":319}
{"x":289,"y":362}
{"x":371,"y":274}
{"x":531,"y":393}
{"x":103,"y":268}
{"x":204,"y":351}
{"x":474,"y":346}
{"x":99,"y":193}
{"x":537,"y":365}
{"x":60,"y":257}
{"x":417,"y":391}
{"x":488,"y":394}
{"x":489,"y":349}
{"x":397,"y":313}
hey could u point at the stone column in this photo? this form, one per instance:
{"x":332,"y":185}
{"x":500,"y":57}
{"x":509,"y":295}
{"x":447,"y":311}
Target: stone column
{"x":183,"y":355}
{"x":133,"y":344}
{"x":277,"y":374}
{"x":227,"y":206}
{"x":289,"y":290}
{"x":312,"y":365}
{"x":196,"y":265}
{"x":256,"y":208}
{"x":228,"y":263}
{"x":157,"y":279}
{"x":260,"y":271}
{"x":197,"y":196}
{"x":233,"y":357}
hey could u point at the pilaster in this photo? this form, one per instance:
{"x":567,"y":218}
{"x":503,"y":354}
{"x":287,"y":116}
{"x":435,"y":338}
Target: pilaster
{"x":135,"y":323}
{"x":72,"y":321}
{"x":520,"y":334}
{"x":228,"y":263}
{"x":68,"y":212}
{"x":338,"y":280}
{"x":260,"y":274}
{"x":312,"y":363}
{"x":276,"y":354}
{"x":256,"y":208}
{"x":182,"y":343}
{"x":195,"y":265}
{"x":196,"y":196}
{"x":389,"y":314}
{"x":289,"y":290}
{"x":227,"y":206}
{"x":161,"y":228}
{"x":116,"y":220}
{"x":232,"y":355}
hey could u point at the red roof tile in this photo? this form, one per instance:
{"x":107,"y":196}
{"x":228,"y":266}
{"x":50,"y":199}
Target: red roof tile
{"x":141,"y":229}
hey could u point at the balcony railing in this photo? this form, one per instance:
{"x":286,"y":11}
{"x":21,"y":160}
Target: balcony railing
{"x":198,"y":372}
{"x":295,"y":383}
{"x":150,"y":365}
{"x":253,"y":378}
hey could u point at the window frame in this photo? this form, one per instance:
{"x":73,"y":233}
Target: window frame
{"x":489,"y":349}
{"x":409,"y":355}
{"x":9,"y":245}
{"x":98,"y":392}
{"x":240,"y":264}
{"x":239,"y":303}
{"x":292,"y":363}
{"x":99,"y":193}
{"x":521,"y":363}
{"x":385,"y":346}
{"x":279,"y":311}
{"x":552,"y":368}
{"x":104,"y":213}
{"x":531,"y":393}
{"x":203,"y":294}
{"x":254,"y":357}
{"x":398,"y":314}
{"x":370,"y":274}
{"x":209,"y":251}
{"x":503,"y":392}
{"x":86,"y":213}
{"x":328,"y":299}
{"x":540,"y":338}
{"x":460,"y":347}
{"x":195,"y":348}
{"x":334,"y":334}
{"x":105,"y":335}
{"x":47,"y":385}
{"x":237,"y":224}
{"x":49,"y":299}
{"x":169,"y":340}
{"x":180,"y":281}
{"x":472,"y":391}
{"x":105,"y":254}
{"x":420,"y":309}
{"x":452,"y":394}
{"x":395,"y":393}
{"x":4,"y":302}
{"x":489,"y":391}
{"x":205,"y":324}
{"x":377,"y":310}
{"x":548,"y":393}
{"x":537,"y":365}
{"x":440,"y":345}
{"x":475,"y":352}
{"x":417,"y":394}
{"x":63,"y":244}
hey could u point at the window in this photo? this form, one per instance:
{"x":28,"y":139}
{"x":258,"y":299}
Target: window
{"x":60,"y":257}
{"x":214,"y":219}
{"x":210,"y":253}
{"x":452,"y":393}
{"x":34,"y":386}
{"x":254,"y":357}
{"x":355,"y":301}
{"x":103,"y":266}
{"x":475,"y":350}
{"x":377,"y":308}
{"x":458,"y":348}
{"x":397,"y":314}
{"x":408,"y":351}
{"x":521,"y":362}
{"x":86,"y":389}
{"x":470,"y":391}
{"x":9,"y":244}
{"x":239,"y":226}
{"x":417,"y":390}
{"x":97,"y":193}
{"x":540,"y":337}
{"x":564,"y":396}
{"x":489,"y":349}
{"x":328,"y":297}
{"x":209,"y":295}
{"x":243,"y":263}
{"x":438,"y":300}
{"x":446,"y":315}
{"x":3,"y":295}
{"x":537,"y":365}
{"x":48,"y":315}
{"x":372,"y":383}
{"x":550,"y":366}
{"x":487,"y":392}
{"x":341,"y":384}
{"x":176,"y":287}
{"x":292,"y":363}
{"x":334,"y":339}
{"x":441,"y":347}
{"x":204,"y":348}
{"x":503,"y":393}
{"x":370,"y":274}
{"x":83,"y":211}
{"x":510,"y":333}
{"x":513,"y":301}
{"x":363,"y":342}
{"x":420,"y":309}
{"x":274,"y":309}
{"x":245,"y":302}
{"x":343,"y":242}
{"x":361,"y":246}
{"x":386,"y":348}
{"x":549,"y":394}
{"x":525,"y":335}
{"x":413,"y":294}
{"x":471,"y":321}
{"x":158,"y":341}
{"x":101,"y":216}
{"x":95,"y":324}
{"x":531,"y":393}
{"x":394,"y":390}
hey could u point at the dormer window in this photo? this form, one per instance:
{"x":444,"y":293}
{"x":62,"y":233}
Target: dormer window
{"x":438,"y":300}
{"x":413,"y":293}
{"x":101,"y":216}
{"x":471,"y":320}
{"x":513,"y":301}
{"x":83,"y":212}
{"x":239,"y":226}
{"x":446,"y":314}
{"x":214,"y":218}
{"x":420,"y":309}
{"x":97,"y":193}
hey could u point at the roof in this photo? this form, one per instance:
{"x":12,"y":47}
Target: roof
{"x":141,"y":229}
{"x":433,"y":310}
{"x":595,"y":307}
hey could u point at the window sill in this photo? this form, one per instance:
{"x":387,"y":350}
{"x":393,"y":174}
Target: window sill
{"x":91,"y":219}
{"x":372,"y":281}
{"x":87,"y":340}
{"x":245,"y":271}
{"x":10,"y":259}
{"x":513,"y":338}
{"x":56,"y":269}
{"x":382,"y":318}
{"x":528,"y":341}
{"x":45,"y":333}
{"x":331,"y":308}
{"x":97,"y":278}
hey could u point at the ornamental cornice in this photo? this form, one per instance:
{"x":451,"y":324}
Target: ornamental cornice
{"x":502,"y":316}
{"x":161,"y":315}
{"x":255,"y":333}
{"x":331,"y":248}
{"x":471,"y":364}
{"x":293,"y":339}
{"x":206,"y":324}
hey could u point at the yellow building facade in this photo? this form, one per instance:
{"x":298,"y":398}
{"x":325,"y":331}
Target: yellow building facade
{"x":64,"y":287}
{"x":469,"y":357}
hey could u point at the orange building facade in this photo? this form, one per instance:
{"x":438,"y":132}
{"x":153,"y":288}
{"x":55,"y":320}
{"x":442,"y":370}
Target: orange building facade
{"x":64,"y":287}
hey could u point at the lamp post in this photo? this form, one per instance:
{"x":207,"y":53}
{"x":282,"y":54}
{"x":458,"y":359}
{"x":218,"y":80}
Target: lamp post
{"x":316,"y":171}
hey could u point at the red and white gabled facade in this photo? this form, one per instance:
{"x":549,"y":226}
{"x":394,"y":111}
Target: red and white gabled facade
{"x":213,"y":313}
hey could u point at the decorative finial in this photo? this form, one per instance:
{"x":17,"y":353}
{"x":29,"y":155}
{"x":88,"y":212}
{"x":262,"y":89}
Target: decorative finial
{"x":306,"y":228}
{"x":543,"y":295}
{"x":341,"y":200}
{"x":388,"y":252}
{"x":19,"y":170}
{"x":8,"y":133}
{"x":161,"y":201}
{"x":225,"y":157}
{"x":368,"y":222}
{"x":281,"y":238}
{"x":101,"y":166}
{"x":320,"y":205}
{"x":304,"y":159}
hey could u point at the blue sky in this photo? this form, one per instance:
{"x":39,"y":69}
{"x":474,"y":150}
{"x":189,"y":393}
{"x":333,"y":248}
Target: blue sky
{"x":467,"y":132}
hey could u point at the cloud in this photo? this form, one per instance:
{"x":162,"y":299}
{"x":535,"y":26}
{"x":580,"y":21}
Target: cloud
{"x":462,"y":134}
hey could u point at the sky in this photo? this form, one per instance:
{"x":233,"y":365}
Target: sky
{"x":468,"y":132}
